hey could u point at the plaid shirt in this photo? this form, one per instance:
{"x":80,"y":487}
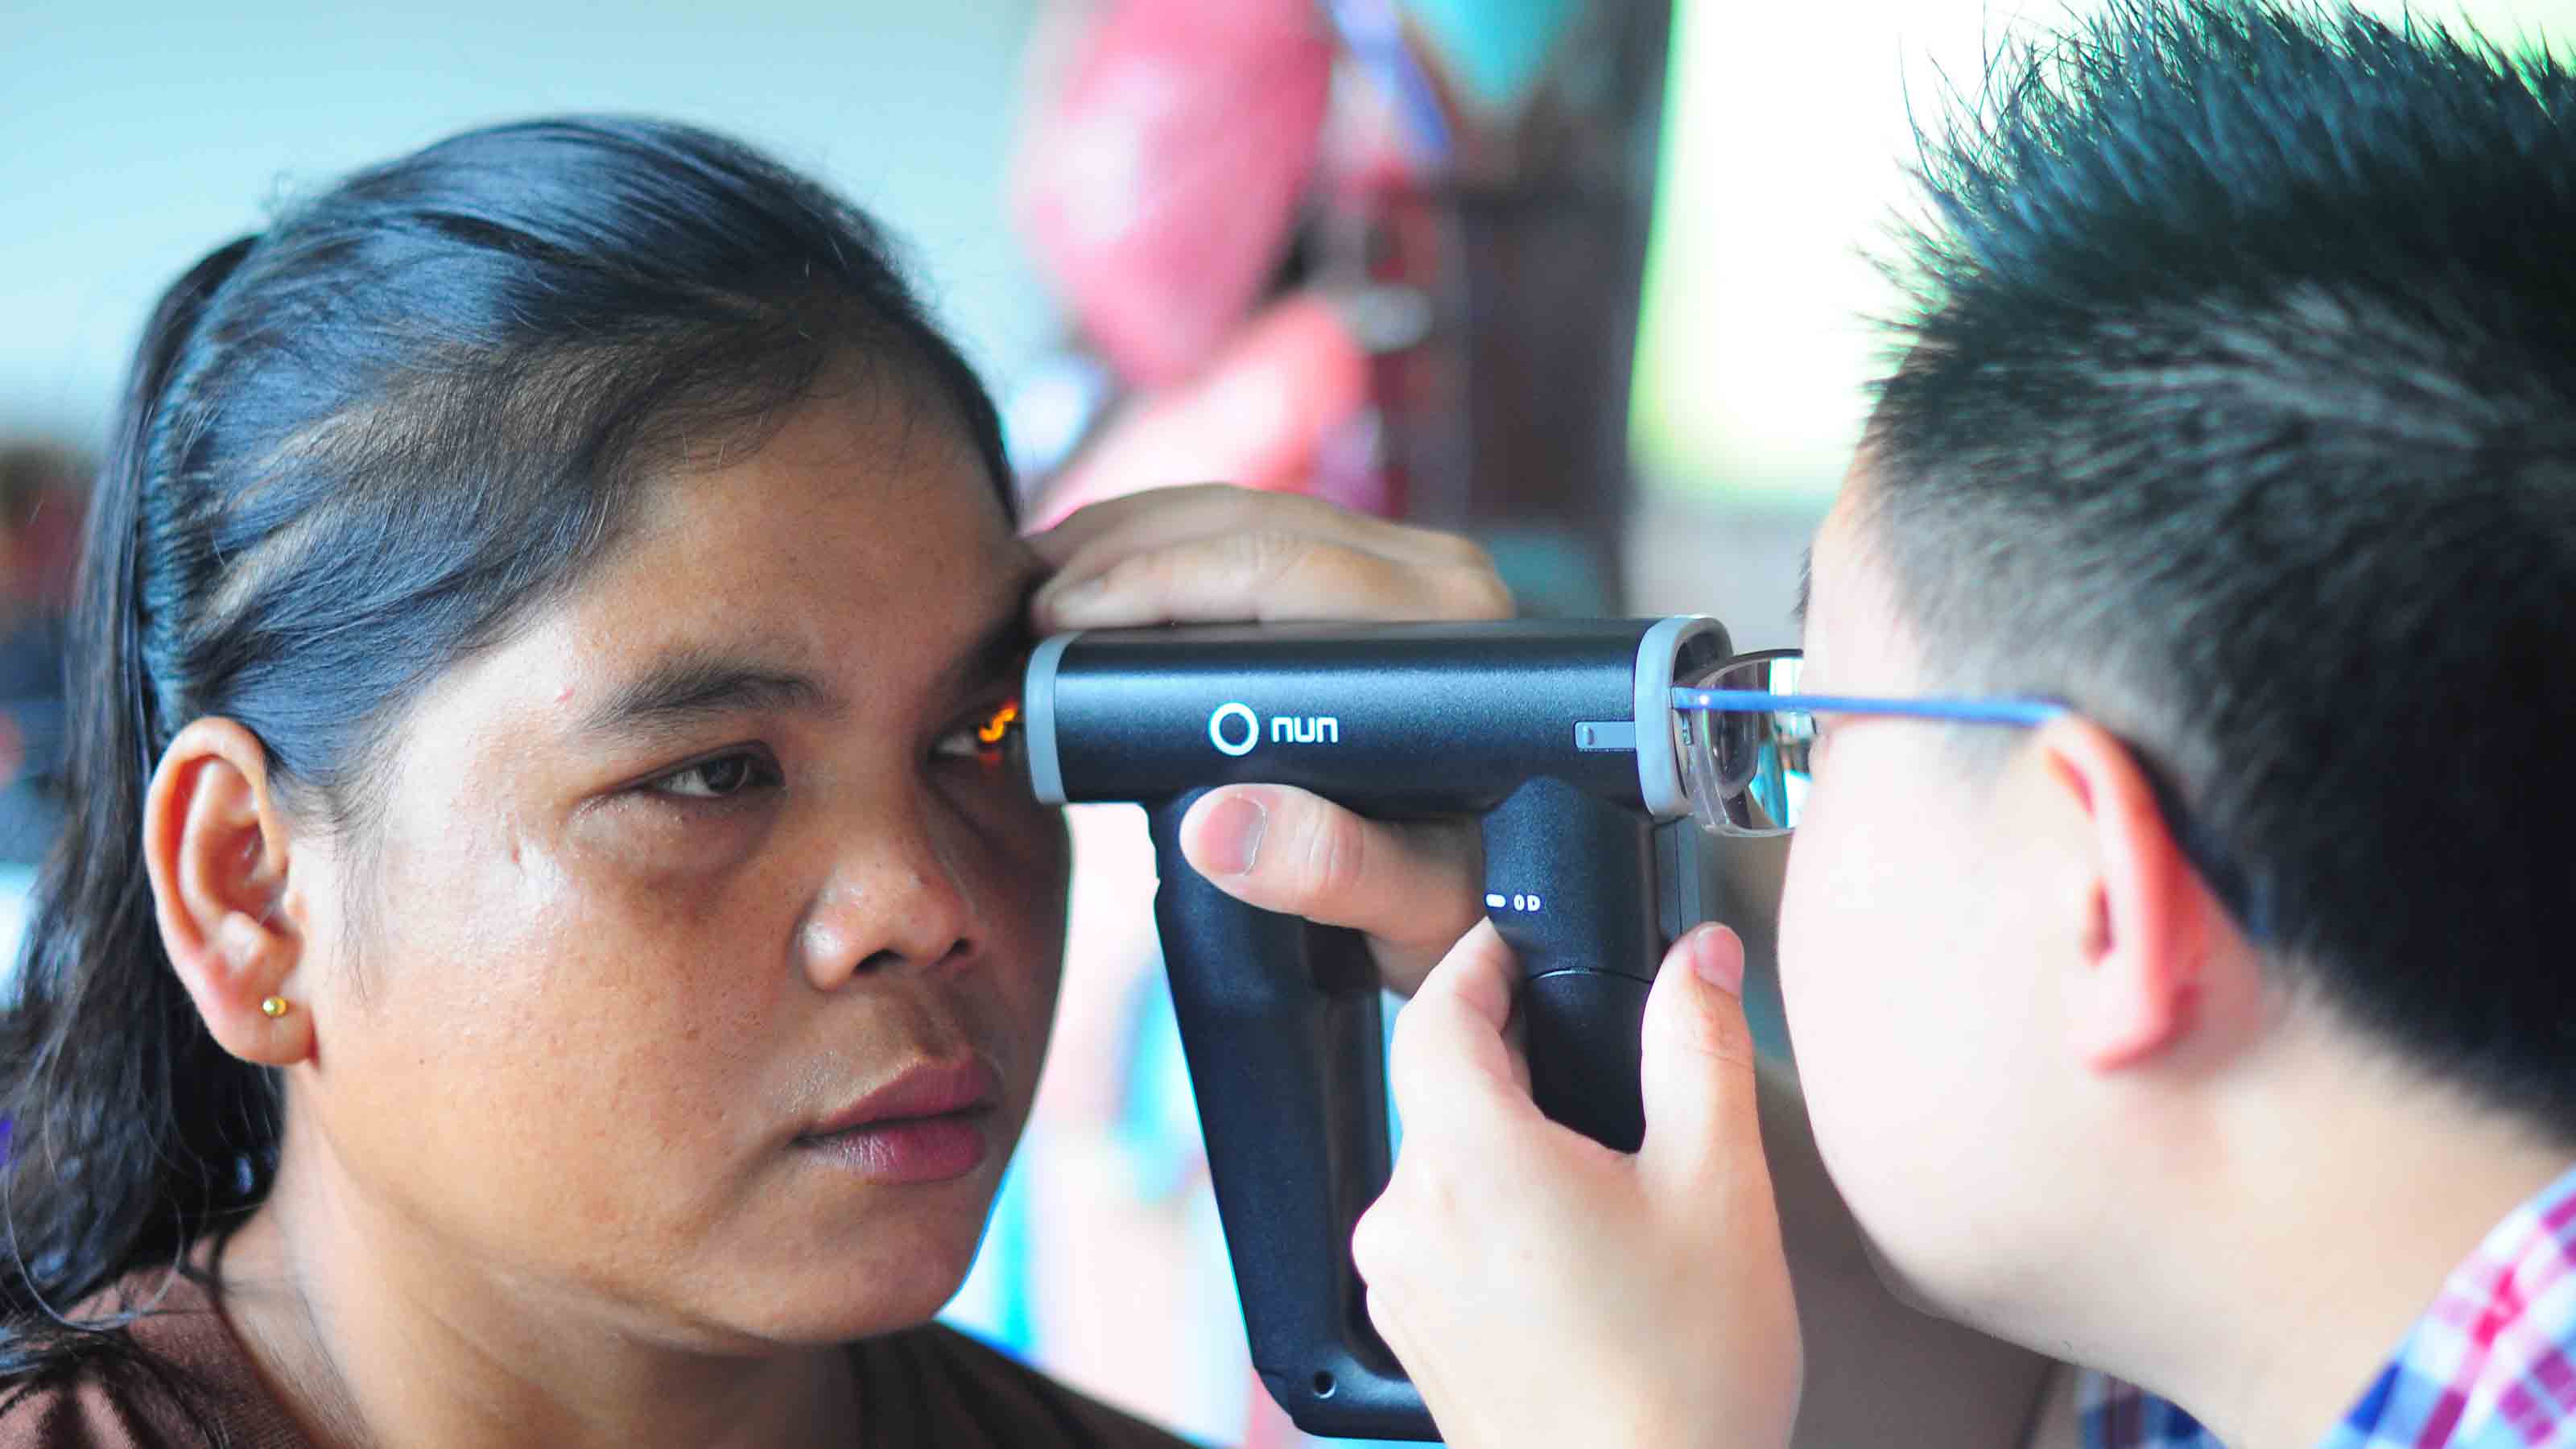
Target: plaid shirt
{"x":2491,"y":1365}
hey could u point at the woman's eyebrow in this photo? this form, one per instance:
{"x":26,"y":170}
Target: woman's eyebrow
{"x":1000,"y":653}
{"x":1003,"y":647}
{"x":688,"y":687}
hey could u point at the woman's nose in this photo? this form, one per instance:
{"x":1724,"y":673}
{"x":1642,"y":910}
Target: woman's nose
{"x":895,"y":901}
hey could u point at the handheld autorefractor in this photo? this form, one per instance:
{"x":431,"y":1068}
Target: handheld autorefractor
{"x":1559,"y":735}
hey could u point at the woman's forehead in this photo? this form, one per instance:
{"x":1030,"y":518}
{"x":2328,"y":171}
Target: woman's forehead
{"x":852,"y":555}
{"x":867,"y":490}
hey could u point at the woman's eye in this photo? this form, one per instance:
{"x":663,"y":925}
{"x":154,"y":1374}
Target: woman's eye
{"x":966,"y":742}
{"x":985,"y":737}
{"x":720,"y":778}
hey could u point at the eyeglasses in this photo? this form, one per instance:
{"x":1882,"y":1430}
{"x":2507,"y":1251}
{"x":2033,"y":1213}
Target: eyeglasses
{"x":1743,"y":733}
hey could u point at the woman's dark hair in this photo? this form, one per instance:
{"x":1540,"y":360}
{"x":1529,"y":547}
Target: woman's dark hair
{"x":353,"y":450}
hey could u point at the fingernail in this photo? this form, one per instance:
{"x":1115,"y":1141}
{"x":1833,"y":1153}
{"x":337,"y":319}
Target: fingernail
{"x":1061,"y":601}
{"x":1232,"y":835}
{"x":1718,"y":957}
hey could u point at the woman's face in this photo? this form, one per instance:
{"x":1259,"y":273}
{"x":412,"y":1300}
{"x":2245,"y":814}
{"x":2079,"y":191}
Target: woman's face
{"x":698,"y":860}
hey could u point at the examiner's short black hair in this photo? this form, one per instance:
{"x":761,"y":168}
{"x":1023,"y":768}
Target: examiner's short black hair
{"x":2235,"y":402}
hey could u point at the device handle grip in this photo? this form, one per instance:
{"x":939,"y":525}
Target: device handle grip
{"x":1280,"y":1020}
{"x":1570,"y":883}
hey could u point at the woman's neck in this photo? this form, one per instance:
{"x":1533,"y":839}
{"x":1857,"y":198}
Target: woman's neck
{"x":377,"y":1336}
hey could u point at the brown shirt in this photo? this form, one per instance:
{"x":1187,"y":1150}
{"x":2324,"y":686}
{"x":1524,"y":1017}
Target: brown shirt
{"x":926,"y":1386}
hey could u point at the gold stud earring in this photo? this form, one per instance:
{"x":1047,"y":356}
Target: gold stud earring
{"x":274,"y":1007}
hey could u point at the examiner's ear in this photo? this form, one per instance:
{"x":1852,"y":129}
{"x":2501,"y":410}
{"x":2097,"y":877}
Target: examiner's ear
{"x":2149,"y":921}
{"x":216,"y":847}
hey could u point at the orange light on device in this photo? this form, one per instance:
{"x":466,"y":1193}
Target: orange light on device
{"x":992,"y":730}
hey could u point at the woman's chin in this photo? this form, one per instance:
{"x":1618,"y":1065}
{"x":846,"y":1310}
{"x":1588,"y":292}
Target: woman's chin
{"x":881,"y":1308}
{"x":820,"y":1255}
{"x":900,"y":1281}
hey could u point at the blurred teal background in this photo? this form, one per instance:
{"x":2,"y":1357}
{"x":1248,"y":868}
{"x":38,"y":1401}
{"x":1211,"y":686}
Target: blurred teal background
{"x":140,"y":136}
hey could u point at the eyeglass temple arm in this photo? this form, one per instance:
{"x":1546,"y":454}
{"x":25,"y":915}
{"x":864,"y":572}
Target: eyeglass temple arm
{"x":2023,"y":712}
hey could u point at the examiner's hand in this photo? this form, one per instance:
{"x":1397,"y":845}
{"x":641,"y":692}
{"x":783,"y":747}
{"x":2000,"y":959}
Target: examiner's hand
{"x":1215,"y":554}
{"x":1542,"y":1289}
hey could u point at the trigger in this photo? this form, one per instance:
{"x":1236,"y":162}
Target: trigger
{"x":1669,"y":848}
{"x":1685,"y":887}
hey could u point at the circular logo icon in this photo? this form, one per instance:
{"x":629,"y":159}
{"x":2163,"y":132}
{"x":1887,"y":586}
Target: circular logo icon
{"x":1226,"y":714}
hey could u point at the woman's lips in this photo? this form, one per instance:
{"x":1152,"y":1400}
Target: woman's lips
{"x":927,"y":1125}
{"x":909,"y":1149}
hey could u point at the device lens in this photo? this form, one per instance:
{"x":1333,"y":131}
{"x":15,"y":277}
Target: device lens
{"x":1744,"y":762}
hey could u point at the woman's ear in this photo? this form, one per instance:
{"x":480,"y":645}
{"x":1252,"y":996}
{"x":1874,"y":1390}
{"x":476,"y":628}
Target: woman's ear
{"x":217,"y":847}
{"x":2150,"y":922}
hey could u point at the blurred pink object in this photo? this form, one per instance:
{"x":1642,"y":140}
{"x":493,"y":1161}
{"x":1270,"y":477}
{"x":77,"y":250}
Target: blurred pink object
{"x":1159,"y":181}
{"x":1260,"y":416}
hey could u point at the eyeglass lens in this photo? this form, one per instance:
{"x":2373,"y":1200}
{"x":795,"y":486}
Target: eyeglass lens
{"x":1746,"y":770}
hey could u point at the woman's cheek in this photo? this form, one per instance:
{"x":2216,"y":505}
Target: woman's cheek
{"x":647,"y":959}
{"x":1024,"y":848}
{"x":663,"y":846}
{"x":1023,"y":854}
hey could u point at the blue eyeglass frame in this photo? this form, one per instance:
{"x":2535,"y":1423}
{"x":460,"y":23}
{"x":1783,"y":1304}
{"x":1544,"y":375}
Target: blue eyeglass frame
{"x":2226,"y":880}
{"x":2024,"y":713}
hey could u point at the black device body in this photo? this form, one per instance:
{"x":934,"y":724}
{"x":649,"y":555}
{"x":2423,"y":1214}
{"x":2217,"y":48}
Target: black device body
{"x":1555,"y":734}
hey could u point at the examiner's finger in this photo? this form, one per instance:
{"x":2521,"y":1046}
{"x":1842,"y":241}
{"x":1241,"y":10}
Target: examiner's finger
{"x":1155,"y":517}
{"x":1697,"y":1065}
{"x":1413,"y":886}
{"x":1220,"y":525}
{"x":1452,"y":1058}
{"x":1161,"y":517}
{"x":1270,"y":576}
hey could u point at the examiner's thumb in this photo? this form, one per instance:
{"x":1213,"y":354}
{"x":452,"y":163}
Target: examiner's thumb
{"x":1698,"y":1062}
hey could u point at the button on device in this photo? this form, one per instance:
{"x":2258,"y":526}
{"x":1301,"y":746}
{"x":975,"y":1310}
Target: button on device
{"x":1601,"y":735}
